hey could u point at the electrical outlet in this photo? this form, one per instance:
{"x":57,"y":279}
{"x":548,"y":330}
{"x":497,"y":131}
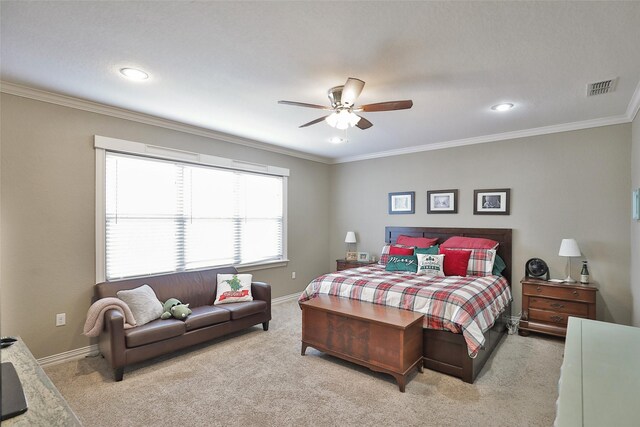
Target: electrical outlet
{"x":293,"y":274}
{"x":61,"y":319}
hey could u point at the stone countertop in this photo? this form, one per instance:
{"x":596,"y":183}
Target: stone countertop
{"x":46,"y":406}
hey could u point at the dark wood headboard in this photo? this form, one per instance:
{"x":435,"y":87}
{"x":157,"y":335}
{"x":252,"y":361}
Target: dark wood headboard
{"x":500,"y":235}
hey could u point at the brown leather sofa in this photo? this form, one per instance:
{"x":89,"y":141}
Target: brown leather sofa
{"x":122,"y":347}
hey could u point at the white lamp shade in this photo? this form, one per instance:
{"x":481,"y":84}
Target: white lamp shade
{"x":350,"y":238}
{"x":569,"y":247}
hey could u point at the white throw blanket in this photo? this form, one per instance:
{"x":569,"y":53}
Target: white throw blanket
{"x":95,"y":315}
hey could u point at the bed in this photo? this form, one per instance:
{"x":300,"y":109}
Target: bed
{"x":460,"y":344}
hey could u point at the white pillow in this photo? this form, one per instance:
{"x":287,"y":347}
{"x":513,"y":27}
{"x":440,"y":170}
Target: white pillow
{"x":143,"y":302}
{"x":430,"y":265}
{"x":233,"y":288}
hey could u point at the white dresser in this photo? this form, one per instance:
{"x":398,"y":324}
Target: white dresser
{"x":600,"y":377}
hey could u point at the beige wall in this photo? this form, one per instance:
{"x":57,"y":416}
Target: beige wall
{"x":635,"y":225}
{"x":572,"y":184}
{"x":48,"y":215}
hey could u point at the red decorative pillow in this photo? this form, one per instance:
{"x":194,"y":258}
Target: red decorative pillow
{"x":469,"y":243}
{"x":455,"y":262}
{"x":420,"y":242}
{"x":397,"y":250}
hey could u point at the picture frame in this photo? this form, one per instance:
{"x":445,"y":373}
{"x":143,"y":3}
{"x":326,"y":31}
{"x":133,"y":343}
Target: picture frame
{"x":402,"y":203}
{"x":442,"y":201}
{"x":351,"y":256}
{"x":635,"y":204}
{"x":492,"y":201}
{"x":363,"y":257}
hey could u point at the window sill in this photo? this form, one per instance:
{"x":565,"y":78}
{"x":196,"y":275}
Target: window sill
{"x":242,"y":268}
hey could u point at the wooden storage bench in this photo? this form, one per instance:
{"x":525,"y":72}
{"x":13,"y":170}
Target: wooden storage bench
{"x":384,"y":339}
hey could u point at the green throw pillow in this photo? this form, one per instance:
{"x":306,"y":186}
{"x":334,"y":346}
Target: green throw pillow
{"x":431,"y":250}
{"x":402,"y":263}
{"x":498,"y":266}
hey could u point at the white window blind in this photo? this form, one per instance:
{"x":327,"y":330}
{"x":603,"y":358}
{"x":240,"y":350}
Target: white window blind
{"x":164,"y":216}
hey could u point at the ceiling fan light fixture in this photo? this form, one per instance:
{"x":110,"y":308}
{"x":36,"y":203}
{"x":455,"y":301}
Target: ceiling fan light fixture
{"x":502,"y":107}
{"x":342,"y":119}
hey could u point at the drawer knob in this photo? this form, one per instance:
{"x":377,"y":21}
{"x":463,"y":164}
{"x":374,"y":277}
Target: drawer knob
{"x":575,"y":293}
{"x":557,"y":319}
{"x":557,"y":305}
{"x":539,"y":289}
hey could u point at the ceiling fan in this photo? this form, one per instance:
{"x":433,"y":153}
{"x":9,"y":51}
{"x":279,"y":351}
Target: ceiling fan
{"x":343,"y":107}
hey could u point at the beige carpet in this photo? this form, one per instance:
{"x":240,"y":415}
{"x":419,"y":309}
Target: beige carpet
{"x":259,"y":378}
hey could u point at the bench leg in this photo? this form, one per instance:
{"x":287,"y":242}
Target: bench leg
{"x":118,"y":373}
{"x":401,"y":380}
{"x":265,"y":326}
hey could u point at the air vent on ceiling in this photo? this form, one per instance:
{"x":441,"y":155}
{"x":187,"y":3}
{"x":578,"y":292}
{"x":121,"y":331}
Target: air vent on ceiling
{"x":600,"y":88}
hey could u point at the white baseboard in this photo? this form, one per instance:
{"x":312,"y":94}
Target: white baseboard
{"x":68,"y":356}
{"x":92,"y":350}
{"x":285,"y":298}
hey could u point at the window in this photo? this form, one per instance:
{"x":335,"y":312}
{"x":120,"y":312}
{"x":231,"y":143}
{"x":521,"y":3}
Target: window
{"x":165,"y":215}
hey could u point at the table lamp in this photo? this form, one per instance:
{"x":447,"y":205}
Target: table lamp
{"x":569,"y":248}
{"x":349,"y":239}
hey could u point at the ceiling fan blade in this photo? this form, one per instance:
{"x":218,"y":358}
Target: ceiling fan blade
{"x":387,"y":106}
{"x":351,"y":91}
{"x":304,"y":104}
{"x":364,"y":123}
{"x":313,"y":122}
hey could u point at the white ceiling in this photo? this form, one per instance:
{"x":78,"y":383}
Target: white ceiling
{"x":223,"y":66}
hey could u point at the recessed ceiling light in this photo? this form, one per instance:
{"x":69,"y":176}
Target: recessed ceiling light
{"x":134,"y":74}
{"x":337,"y":140}
{"x":502,"y":107}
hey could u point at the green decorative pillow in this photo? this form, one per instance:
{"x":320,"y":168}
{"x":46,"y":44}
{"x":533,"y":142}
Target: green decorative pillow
{"x":431,"y":250}
{"x":402,"y":263}
{"x":498,"y":266}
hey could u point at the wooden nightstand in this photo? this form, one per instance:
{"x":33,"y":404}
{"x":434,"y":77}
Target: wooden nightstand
{"x":343,"y":264}
{"x":546,"y":306}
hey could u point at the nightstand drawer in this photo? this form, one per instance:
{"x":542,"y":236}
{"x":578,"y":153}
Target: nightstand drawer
{"x":552,"y":317}
{"x":586,"y":295}
{"x":569,"y":307}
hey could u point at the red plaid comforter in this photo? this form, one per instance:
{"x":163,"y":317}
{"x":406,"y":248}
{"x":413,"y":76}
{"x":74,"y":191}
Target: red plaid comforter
{"x":469,"y":305}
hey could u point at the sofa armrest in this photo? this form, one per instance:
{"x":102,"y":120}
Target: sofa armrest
{"x":262,"y":291}
{"x":112,"y":342}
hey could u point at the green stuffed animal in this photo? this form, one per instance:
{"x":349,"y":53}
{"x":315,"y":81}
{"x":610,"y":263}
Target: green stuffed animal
{"x":171,"y":302}
{"x":181,"y":311}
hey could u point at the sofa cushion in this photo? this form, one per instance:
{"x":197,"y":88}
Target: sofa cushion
{"x":206,"y":316}
{"x":238,"y":310}
{"x":158,"y":330}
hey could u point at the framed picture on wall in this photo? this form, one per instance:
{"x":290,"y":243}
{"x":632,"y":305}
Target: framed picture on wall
{"x":402,"y":202}
{"x":442,"y":201}
{"x":491,"y":202}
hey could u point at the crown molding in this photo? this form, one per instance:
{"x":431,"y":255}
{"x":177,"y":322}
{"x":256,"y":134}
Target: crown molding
{"x":94,"y":107}
{"x":121,"y":113}
{"x":545,"y":130}
{"x":634,"y":104}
